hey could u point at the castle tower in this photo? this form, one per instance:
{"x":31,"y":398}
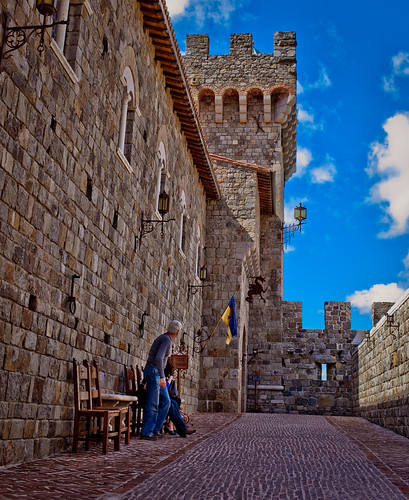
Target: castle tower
{"x":246,"y":104}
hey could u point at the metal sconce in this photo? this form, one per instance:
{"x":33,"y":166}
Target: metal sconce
{"x":391,"y":325}
{"x":253,"y":355}
{"x":300,"y":214}
{"x":192,"y":289}
{"x":15,"y":37}
{"x":71,"y":299}
{"x":142,"y":324}
{"x":147,"y":226}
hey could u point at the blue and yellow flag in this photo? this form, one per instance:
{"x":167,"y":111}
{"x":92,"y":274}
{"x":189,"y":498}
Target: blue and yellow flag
{"x":229,"y":317}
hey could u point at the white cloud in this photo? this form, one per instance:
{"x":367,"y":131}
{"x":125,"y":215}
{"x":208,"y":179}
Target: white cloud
{"x":389,"y":84}
{"x":219,"y":11}
{"x":304,"y":158}
{"x":324,"y":173}
{"x":323,"y":81}
{"x":363,"y":299}
{"x":390,"y":161}
{"x":400,"y":67}
{"x":401,"y":63}
{"x":304,"y":116}
{"x":176,"y":7}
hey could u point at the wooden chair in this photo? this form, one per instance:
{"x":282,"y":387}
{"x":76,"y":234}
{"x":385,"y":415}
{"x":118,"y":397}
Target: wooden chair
{"x":133,"y":380}
{"x":92,"y":421}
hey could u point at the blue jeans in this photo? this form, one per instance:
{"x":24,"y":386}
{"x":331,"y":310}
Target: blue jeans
{"x":157,"y":402}
{"x":176,"y":417}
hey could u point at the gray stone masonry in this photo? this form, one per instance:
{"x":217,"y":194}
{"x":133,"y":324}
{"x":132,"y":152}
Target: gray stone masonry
{"x":379,"y":309}
{"x":243,"y":101}
{"x":71,"y":205}
{"x":381,"y":368}
{"x":244,"y":90}
{"x":312,"y":368}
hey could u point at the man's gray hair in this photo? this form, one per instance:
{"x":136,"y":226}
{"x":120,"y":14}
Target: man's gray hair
{"x":174,"y":326}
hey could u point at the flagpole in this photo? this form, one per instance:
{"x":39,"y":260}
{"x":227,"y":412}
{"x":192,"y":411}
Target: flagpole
{"x":214,"y":329}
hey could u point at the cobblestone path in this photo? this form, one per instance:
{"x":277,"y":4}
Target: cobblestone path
{"x":253,"y":456}
{"x":271,"y":457}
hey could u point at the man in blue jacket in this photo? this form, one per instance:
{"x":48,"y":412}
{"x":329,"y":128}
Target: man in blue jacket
{"x":157,"y":397}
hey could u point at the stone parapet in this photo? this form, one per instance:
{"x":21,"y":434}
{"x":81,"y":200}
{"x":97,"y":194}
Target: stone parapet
{"x":379,"y":309}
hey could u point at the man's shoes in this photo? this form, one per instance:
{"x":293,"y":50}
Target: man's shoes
{"x":149,"y":437}
{"x":187,"y":432}
{"x":168,"y":431}
{"x":157,"y":434}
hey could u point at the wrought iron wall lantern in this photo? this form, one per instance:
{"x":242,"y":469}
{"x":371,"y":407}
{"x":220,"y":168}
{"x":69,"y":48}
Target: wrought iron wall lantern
{"x":15,"y":37}
{"x":192,"y":289}
{"x":391,"y":325}
{"x":147,"y":226}
{"x":300,"y":214}
{"x":253,"y":355}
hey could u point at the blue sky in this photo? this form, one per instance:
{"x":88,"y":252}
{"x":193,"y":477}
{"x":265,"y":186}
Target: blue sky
{"x":353,"y":141}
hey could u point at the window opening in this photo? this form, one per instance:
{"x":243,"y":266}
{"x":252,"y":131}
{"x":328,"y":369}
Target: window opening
{"x":183,"y":234}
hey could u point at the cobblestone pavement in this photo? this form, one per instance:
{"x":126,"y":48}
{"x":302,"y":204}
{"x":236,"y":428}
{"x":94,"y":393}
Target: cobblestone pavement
{"x":256,"y":456}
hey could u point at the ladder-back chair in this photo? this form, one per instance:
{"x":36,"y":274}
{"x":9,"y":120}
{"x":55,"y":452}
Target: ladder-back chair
{"x":92,"y":421}
{"x":133,"y":380}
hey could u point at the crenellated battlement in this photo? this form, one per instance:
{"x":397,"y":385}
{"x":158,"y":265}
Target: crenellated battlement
{"x":242,"y":45}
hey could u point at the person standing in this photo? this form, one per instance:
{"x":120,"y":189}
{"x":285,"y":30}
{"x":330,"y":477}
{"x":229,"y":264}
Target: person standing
{"x":157,"y":398}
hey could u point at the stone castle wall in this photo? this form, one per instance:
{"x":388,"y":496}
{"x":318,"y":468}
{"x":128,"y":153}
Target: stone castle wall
{"x":242,"y":100}
{"x":381,"y":375}
{"x":247,"y":101}
{"x":70,"y":205}
{"x":296,"y":383}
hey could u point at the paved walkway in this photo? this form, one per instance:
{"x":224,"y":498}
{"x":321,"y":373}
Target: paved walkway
{"x":255,"y":456}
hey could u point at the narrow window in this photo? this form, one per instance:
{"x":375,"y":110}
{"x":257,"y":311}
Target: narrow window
{"x":198,"y":259}
{"x":183,"y":224}
{"x":127,"y":119}
{"x":183,"y":234}
{"x":60,"y":31}
{"x":324,"y":371}
{"x":67,"y":37}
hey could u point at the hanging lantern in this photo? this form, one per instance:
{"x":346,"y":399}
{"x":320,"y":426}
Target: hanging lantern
{"x":300,"y":213}
{"x":163,"y":203}
{"x":203,"y":274}
{"x":47,"y":7}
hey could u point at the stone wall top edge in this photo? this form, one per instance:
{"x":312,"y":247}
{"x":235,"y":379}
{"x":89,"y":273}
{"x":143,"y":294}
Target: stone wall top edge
{"x":398,"y":304}
{"x":198,"y":44}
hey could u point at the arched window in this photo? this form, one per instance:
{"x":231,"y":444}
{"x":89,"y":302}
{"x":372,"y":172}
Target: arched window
{"x":199,"y":253}
{"x":161,"y":176}
{"x":127,"y":119}
{"x":67,"y":38}
{"x":183,"y":224}
{"x":60,"y":31}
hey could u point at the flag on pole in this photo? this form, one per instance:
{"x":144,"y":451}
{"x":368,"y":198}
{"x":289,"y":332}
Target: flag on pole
{"x":229,"y":317}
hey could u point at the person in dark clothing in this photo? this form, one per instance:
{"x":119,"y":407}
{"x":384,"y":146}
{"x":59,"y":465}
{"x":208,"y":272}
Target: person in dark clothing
{"x":174,"y":413}
{"x":157,"y":396}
